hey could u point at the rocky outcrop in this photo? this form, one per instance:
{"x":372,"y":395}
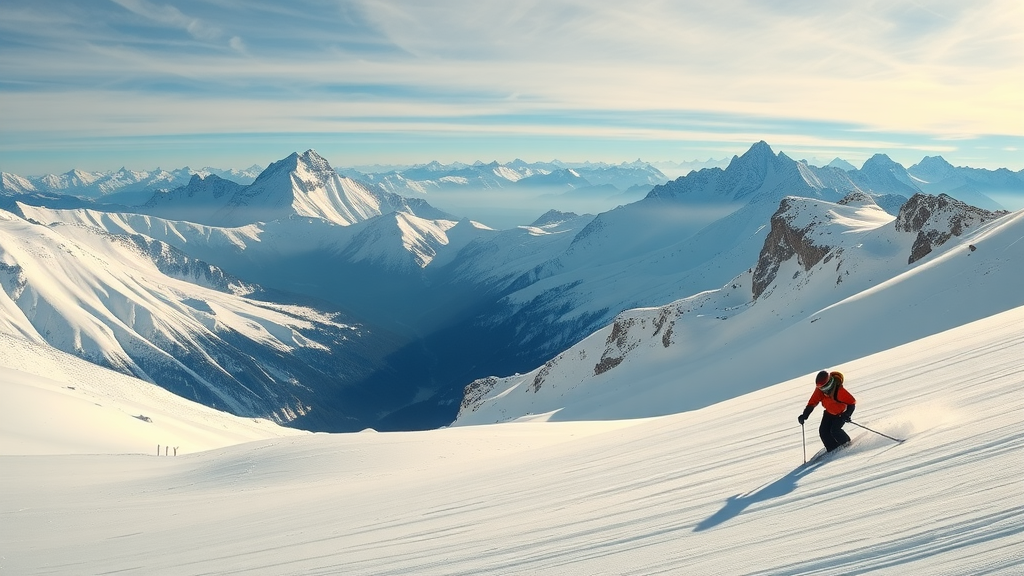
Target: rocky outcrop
{"x":858,"y":198}
{"x":630,"y":333}
{"x":936,"y":219}
{"x":785,"y":240}
{"x":476,"y":391}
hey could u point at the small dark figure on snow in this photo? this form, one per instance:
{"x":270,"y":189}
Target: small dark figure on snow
{"x":838,"y":405}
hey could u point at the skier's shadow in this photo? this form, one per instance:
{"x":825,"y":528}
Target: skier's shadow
{"x":734,"y":505}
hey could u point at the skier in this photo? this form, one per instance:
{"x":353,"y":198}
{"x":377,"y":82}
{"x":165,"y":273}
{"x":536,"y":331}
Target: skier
{"x":838,"y":405}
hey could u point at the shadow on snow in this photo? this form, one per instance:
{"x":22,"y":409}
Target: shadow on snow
{"x":735,"y":505}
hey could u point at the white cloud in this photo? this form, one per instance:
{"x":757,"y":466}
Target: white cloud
{"x":237,"y":44}
{"x":170,"y":16}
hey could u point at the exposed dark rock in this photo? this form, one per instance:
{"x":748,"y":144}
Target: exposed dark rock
{"x":606,"y":364}
{"x":475,"y":391}
{"x":936,"y":219}
{"x":783,"y":242}
{"x":858,"y":198}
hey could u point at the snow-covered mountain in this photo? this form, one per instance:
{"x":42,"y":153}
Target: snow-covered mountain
{"x":990,"y":189}
{"x":455,"y":300}
{"x":687,"y":236}
{"x":118,"y":186}
{"x":197,"y":201}
{"x":13,"y":184}
{"x":375,"y":268}
{"x":674,"y":170}
{"x":880,"y":174}
{"x":841,"y":164}
{"x":141,"y":307}
{"x":301,"y":185}
{"x":826,"y":274}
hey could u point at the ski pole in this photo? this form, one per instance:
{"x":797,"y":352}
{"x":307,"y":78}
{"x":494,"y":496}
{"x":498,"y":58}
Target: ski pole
{"x":803,"y":436}
{"x":879,"y":433}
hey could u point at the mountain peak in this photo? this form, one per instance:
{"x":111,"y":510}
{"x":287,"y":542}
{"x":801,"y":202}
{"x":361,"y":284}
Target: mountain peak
{"x":758,"y":175}
{"x":553,"y":217}
{"x":932,"y":169}
{"x":758,"y":151}
{"x":882,"y":175}
{"x":934,"y":161}
{"x":880,"y":161}
{"x":759,"y":154}
{"x":843,"y":165}
{"x":313,"y":162}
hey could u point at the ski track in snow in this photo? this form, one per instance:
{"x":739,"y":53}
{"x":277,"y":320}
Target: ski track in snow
{"x":719,"y":490}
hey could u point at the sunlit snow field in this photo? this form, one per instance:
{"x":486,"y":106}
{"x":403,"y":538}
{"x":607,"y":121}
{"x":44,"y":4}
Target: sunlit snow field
{"x":714,"y":491}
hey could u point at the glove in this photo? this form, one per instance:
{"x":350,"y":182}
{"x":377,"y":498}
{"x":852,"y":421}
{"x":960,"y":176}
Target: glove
{"x":848,"y":413}
{"x":803,"y":417}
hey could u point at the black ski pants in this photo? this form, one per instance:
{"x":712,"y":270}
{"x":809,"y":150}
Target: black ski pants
{"x":831,"y":431}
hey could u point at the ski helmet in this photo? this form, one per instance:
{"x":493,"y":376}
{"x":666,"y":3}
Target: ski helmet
{"x":821,"y":379}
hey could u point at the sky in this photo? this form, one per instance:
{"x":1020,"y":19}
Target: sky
{"x":230,"y":83}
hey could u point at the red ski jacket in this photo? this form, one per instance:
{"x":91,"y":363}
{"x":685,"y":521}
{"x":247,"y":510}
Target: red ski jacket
{"x":836,"y":403}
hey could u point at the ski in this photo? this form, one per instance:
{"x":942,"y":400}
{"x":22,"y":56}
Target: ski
{"x":823,"y":455}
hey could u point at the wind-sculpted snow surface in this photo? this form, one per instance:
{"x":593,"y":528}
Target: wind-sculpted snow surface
{"x":720,"y":490}
{"x":832,"y":284}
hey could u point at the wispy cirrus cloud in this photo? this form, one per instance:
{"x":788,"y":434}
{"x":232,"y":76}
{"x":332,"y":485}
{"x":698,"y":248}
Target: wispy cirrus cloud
{"x":907,"y":73}
{"x":171,"y":16}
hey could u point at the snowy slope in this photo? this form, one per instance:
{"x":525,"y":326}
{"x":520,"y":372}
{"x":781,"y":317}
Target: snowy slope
{"x":498,"y":259}
{"x":714,"y":491}
{"x":815,"y":305}
{"x":56,"y":403}
{"x":14,"y":184}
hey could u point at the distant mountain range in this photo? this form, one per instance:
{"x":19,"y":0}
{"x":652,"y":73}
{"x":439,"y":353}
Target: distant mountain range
{"x":396,"y":304}
{"x":518,"y":174}
{"x":121,"y":187}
